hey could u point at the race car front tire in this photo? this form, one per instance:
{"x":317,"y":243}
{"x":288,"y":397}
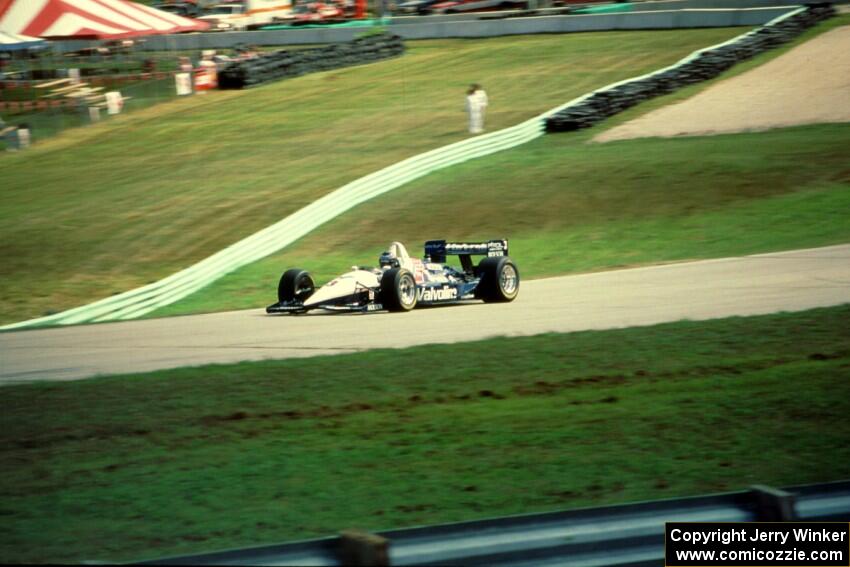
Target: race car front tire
{"x":499,"y":280}
{"x":295,"y":284}
{"x":398,"y":290}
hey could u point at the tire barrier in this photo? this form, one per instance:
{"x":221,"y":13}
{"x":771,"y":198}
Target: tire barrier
{"x":140,"y":301}
{"x":286,"y":64}
{"x":701,"y":66}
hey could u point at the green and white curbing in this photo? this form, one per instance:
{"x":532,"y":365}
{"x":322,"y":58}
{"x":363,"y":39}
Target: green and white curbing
{"x":143,"y":300}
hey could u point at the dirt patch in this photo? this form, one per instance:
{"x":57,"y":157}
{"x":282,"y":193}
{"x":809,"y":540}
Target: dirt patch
{"x":809,"y":84}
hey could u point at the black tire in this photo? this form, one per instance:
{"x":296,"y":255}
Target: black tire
{"x":499,"y":280}
{"x":295,"y":284}
{"x":398,"y":290}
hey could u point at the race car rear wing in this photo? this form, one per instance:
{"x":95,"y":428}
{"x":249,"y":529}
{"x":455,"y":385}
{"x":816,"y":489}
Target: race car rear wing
{"x":437,"y":250}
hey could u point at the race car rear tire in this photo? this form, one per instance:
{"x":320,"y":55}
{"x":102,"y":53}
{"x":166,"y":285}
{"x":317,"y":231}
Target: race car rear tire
{"x":499,"y":280}
{"x":398,"y":290}
{"x":295,"y":284}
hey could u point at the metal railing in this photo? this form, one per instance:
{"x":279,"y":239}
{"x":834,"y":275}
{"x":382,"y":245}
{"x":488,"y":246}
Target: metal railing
{"x":679,"y":15}
{"x":143,"y":300}
{"x":624,"y":535}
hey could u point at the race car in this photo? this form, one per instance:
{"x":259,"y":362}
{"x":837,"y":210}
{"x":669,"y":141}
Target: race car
{"x":402,"y":282}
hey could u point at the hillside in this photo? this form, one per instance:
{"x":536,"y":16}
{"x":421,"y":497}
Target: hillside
{"x":110,"y":207}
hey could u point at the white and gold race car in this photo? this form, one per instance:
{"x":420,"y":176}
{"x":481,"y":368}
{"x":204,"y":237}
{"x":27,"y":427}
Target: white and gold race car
{"x":402,"y":282}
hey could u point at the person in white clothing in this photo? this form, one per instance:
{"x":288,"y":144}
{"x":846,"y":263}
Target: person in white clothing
{"x":476,"y":104}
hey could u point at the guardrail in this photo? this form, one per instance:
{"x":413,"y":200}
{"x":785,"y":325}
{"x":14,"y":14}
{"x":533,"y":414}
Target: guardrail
{"x":480,"y":25}
{"x":143,"y":300}
{"x":624,"y":535}
{"x":646,"y":15}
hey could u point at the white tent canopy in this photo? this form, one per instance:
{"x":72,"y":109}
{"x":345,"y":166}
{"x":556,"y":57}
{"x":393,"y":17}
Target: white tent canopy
{"x":14,"y":42}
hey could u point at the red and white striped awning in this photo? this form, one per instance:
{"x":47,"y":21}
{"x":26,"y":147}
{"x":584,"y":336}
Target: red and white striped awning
{"x":90,"y":19}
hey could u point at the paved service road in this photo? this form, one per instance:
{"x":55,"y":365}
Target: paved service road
{"x":752,"y":285}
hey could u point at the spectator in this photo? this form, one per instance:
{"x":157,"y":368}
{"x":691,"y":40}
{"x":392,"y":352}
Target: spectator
{"x":23,"y":135}
{"x":206,"y":76}
{"x":476,"y":103}
{"x":149,"y":66}
{"x":185,"y":65}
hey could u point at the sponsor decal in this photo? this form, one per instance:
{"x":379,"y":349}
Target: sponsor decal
{"x":460,"y":247}
{"x":436,"y":294}
{"x":418,"y":271}
{"x":491,"y":247}
{"x":495,"y":248}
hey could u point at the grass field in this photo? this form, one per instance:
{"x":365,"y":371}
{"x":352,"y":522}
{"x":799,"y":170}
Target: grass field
{"x":190,"y":460}
{"x":572,"y":207}
{"x":198,"y":459}
{"x":110,"y":207}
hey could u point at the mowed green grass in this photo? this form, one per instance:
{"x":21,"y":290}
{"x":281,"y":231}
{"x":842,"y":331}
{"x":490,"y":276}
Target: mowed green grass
{"x":110,"y":207}
{"x":570,"y":206}
{"x":199,"y":459}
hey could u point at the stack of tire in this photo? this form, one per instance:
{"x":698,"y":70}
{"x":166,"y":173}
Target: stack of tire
{"x":707,"y":65}
{"x":285,"y":64}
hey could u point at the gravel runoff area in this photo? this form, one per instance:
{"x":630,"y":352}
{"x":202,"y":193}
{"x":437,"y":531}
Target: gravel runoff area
{"x":809,"y":84}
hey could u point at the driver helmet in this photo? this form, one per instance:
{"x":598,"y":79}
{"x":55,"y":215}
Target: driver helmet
{"x":388,"y":260}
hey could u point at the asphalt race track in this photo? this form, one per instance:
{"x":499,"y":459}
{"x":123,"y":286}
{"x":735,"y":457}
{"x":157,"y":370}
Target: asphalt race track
{"x":752,"y":285}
